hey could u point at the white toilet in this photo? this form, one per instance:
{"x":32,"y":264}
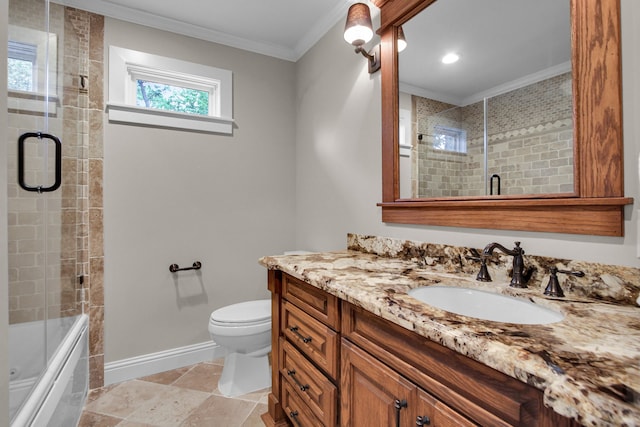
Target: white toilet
{"x":244,"y":330}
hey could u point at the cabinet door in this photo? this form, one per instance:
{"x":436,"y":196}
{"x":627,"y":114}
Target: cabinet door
{"x":372,"y":394}
{"x":433,"y":413}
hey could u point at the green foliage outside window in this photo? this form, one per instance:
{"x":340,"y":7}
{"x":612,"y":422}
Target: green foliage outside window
{"x":172,"y":98}
{"x":20,"y":74}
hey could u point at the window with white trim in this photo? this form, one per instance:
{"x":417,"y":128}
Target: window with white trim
{"x":165,"y":92}
{"x":449,"y":139}
{"x":22,"y":68}
{"x":32,"y":75}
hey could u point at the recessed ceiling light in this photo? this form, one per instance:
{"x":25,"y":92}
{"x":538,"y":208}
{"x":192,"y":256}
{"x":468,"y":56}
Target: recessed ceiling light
{"x":450,"y":58}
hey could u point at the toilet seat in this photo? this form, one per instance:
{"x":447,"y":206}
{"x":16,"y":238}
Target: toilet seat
{"x":242,"y":319}
{"x":246,"y":313}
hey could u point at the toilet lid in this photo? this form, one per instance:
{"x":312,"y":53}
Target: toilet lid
{"x":243,"y":312}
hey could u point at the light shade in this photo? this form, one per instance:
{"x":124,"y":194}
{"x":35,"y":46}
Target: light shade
{"x":358,"y":30}
{"x":402,"y":42}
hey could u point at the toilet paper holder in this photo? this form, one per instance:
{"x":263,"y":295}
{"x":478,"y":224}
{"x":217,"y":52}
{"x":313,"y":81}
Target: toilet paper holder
{"x":175,"y":267}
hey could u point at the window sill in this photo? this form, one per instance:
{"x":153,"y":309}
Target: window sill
{"x":32,"y":102}
{"x":120,"y":113}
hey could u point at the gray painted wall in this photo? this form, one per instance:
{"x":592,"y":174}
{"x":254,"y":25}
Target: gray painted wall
{"x":173,"y":196}
{"x":338,"y":159}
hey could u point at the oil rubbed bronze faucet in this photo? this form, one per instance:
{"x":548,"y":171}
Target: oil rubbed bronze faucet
{"x":518,"y":277}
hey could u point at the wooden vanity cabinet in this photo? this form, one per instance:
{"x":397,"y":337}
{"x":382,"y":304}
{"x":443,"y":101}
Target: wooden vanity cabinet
{"x":375,"y":395}
{"x":447,"y":387}
{"x":308,"y":348}
{"x":335,"y":364}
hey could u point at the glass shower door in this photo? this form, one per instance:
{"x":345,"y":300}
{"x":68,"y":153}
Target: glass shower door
{"x":43,"y":165}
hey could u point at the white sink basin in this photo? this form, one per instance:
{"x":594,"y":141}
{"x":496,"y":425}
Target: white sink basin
{"x":485,"y":305}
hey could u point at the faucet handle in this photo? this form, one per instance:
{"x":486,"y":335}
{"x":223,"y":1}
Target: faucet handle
{"x":553,"y":288}
{"x":483,"y":274}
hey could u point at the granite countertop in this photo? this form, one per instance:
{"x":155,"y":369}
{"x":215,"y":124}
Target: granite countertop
{"x":587,"y":365}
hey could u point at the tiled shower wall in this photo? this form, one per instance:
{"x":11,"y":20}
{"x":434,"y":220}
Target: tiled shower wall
{"x":94,"y":304}
{"x":75,"y":231}
{"x":28,"y":298}
{"x":530,"y":143}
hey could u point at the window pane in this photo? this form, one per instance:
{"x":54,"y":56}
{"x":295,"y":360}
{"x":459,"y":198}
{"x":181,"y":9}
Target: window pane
{"x":21,"y":60}
{"x":172,"y":98}
{"x":450,"y":139}
{"x":20,"y":75}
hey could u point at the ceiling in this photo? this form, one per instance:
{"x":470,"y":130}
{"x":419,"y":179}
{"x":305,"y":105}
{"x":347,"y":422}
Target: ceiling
{"x":503,"y":45}
{"x":284,"y":29}
{"x":532,"y":35}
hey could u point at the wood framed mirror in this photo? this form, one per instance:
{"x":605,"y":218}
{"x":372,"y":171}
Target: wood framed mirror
{"x":596,"y":205}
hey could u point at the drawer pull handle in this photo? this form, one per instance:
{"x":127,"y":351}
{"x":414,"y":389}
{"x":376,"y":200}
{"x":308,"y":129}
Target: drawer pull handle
{"x":423,"y":421}
{"x":292,"y":374}
{"x":294,"y":417}
{"x":399,"y":404}
{"x":304,"y":339}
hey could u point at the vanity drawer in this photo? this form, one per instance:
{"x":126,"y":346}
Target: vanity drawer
{"x":297,"y":411}
{"x":440,"y":414}
{"x":317,"y":303}
{"x":313,"y":338}
{"x":309,"y":383}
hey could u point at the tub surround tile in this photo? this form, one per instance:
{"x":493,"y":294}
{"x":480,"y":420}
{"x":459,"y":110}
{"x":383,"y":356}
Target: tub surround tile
{"x":97,"y":281}
{"x":587,"y":365}
{"x":96,"y":371}
{"x":96,"y":321}
{"x":95,"y":183}
{"x":96,"y":230}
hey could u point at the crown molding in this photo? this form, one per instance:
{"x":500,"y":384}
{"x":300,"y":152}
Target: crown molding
{"x":320,"y":28}
{"x":527,"y":80}
{"x":136,"y":16}
{"x":179,"y":27}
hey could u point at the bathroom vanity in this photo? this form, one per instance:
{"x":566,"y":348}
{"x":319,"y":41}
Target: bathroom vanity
{"x":351,"y":347}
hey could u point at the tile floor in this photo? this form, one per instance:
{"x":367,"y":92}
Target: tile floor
{"x":185,"y":397}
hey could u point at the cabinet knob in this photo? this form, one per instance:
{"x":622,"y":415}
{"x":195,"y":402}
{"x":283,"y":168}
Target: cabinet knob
{"x":294,"y":417}
{"x":292,"y":374}
{"x":423,"y":421}
{"x":399,"y":404}
{"x":304,"y":339}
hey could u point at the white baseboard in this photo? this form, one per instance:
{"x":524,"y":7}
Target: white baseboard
{"x":153,"y":363}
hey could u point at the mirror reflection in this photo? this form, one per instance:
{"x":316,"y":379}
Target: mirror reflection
{"x":498,"y":121}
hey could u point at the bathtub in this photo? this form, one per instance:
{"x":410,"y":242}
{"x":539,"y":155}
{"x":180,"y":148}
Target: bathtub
{"x":56,"y":396}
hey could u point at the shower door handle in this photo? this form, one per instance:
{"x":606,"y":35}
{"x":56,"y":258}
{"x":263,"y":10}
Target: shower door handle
{"x":58,"y":162}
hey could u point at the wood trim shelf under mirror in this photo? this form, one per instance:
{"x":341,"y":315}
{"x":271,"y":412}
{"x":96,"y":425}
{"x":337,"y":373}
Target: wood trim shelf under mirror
{"x":597,"y":205}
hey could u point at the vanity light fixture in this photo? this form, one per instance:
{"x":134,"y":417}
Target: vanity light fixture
{"x":358,"y":30}
{"x":450,"y":58}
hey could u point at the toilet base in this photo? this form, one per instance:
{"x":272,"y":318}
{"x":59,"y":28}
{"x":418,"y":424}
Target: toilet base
{"x":242,"y":374}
